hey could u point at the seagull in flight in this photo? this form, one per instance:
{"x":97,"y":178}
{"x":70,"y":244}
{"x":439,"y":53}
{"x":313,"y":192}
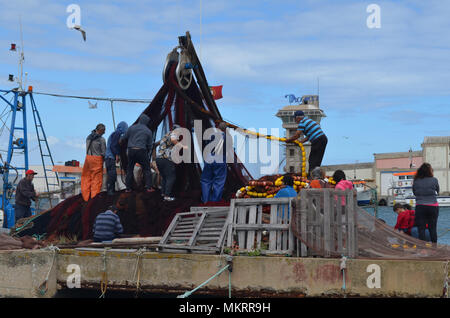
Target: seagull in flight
{"x":77,"y":27}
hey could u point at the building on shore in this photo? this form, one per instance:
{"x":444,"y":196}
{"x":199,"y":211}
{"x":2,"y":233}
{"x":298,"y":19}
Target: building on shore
{"x":379,"y":173}
{"x":435,"y":151}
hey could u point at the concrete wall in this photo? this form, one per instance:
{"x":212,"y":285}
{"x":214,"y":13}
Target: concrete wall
{"x":257,"y":276}
{"x":23,"y":271}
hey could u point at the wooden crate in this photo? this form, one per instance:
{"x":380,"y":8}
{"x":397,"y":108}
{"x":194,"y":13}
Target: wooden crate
{"x":326,"y":227}
{"x":248,"y":229}
{"x":201,"y":230}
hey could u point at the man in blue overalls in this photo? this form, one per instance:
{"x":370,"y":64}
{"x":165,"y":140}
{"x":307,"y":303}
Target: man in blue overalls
{"x":214,"y":172}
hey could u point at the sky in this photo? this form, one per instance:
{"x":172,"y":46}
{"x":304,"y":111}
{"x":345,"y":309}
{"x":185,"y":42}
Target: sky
{"x":382,"y":89}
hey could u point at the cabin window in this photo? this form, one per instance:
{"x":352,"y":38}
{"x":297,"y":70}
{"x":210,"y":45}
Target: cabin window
{"x":291,"y":152}
{"x":401,"y":177}
{"x":291,"y":169}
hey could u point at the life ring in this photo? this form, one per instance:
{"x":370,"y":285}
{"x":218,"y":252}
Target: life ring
{"x":400,"y":183}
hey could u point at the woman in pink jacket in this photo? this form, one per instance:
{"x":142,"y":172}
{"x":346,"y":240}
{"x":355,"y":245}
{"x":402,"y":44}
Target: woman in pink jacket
{"x":342,"y":183}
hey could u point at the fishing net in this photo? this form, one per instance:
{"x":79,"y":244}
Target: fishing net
{"x":147,"y":214}
{"x":350,"y":230}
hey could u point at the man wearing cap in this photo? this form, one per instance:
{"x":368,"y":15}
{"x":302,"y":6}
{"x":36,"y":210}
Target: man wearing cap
{"x":312,"y":132}
{"x":24,"y":194}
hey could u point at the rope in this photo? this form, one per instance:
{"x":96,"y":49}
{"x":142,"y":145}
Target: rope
{"x":343,"y":267}
{"x":188,"y":293}
{"x":43,"y":288}
{"x":126,"y":100}
{"x":104,"y":281}
{"x":137,"y":270}
{"x":445,"y":292}
{"x":39,"y":237}
{"x":444,"y":232}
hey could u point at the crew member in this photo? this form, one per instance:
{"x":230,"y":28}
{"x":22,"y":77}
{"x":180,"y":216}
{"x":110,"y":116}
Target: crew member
{"x":313,"y":133}
{"x":113,"y":155}
{"x":140,"y":145}
{"x":24,"y":194}
{"x":92,"y":174}
{"x":214,"y":172}
{"x":165,"y":164}
{"x":287,"y":192}
{"x":107,"y":225}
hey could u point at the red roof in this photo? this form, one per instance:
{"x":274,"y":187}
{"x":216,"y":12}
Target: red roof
{"x":71,"y":169}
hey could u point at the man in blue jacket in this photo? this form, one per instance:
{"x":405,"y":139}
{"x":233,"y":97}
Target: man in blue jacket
{"x":214,"y":172}
{"x":112,"y":156}
{"x":287,"y":192}
{"x":140,"y":145}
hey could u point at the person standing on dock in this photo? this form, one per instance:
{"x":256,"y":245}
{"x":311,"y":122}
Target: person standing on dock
{"x":24,"y":194}
{"x":92,"y":174}
{"x":313,"y":133}
{"x":140,"y":145}
{"x":214,"y":173}
{"x":426,"y":189}
{"x":113,"y":156}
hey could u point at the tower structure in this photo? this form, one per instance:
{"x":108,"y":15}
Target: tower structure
{"x":18,"y":145}
{"x":309,"y":104}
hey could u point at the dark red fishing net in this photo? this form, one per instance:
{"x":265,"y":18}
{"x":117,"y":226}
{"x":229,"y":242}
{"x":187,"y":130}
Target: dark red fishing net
{"x":145,"y":214}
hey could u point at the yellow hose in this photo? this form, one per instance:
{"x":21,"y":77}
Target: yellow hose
{"x":303,"y":171}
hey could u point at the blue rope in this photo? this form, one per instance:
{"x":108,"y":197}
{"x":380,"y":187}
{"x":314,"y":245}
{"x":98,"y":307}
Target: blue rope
{"x":188,"y":293}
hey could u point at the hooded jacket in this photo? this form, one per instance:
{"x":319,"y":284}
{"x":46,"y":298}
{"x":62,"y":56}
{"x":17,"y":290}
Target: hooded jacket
{"x":112,"y":146}
{"x":344,"y":185}
{"x":95,"y":145}
{"x":139,"y":135}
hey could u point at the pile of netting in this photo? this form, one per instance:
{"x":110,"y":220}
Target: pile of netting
{"x":379,"y":240}
{"x":373,"y":237}
{"x":141,"y":213}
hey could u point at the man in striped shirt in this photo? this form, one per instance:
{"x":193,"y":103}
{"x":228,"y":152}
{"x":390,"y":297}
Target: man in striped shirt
{"x":312,"y":132}
{"x":107,"y":225}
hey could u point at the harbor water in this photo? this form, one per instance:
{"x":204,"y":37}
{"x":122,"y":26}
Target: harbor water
{"x":387,"y":214}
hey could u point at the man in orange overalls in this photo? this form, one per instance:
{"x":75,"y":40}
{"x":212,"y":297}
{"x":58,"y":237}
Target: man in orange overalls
{"x":92,"y":175}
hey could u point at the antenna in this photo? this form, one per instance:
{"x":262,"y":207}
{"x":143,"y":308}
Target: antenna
{"x":317,"y":86}
{"x":200,"y":29}
{"x":21,"y":57}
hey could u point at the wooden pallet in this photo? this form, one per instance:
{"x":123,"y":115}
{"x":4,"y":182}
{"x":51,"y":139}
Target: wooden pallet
{"x":201,"y":230}
{"x":326,"y":228}
{"x":248,"y":229}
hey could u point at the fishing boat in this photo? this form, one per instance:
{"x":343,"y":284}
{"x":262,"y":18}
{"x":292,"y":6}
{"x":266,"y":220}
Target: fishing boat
{"x":401,"y":191}
{"x":364,"y":194}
